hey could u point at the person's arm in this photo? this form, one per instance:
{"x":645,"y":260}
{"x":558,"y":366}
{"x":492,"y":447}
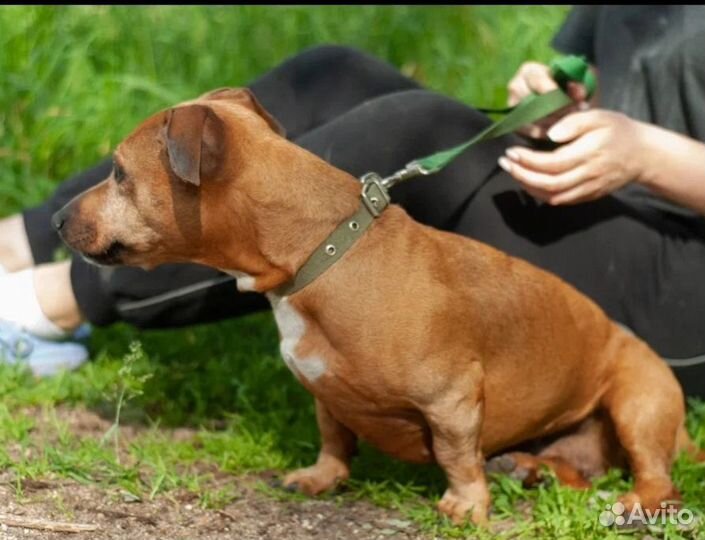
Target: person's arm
{"x":601,"y":152}
{"x":674,"y":167}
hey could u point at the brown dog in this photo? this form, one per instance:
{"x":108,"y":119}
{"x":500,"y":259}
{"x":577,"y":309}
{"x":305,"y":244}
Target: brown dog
{"x":429,"y":345}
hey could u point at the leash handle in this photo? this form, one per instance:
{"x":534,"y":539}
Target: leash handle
{"x":571,"y":68}
{"x":564,"y":69}
{"x":533,"y":107}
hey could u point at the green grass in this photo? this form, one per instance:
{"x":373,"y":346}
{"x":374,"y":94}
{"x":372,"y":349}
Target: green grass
{"x":74,"y":82}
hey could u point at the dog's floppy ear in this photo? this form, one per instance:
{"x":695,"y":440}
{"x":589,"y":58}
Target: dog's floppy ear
{"x":244,"y":96}
{"x":194,"y":138}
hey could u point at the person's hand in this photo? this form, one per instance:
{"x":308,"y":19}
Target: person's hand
{"x":536,"y":78}
{"x":602,"y":154}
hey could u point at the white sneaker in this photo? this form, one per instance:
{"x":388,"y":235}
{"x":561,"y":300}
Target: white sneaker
{"x":43,"y":357}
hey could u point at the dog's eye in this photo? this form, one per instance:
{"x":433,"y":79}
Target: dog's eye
{"x":118,"y":173}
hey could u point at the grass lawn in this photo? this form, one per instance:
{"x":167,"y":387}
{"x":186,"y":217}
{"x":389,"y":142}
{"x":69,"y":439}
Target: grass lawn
{"x":199,"y":402}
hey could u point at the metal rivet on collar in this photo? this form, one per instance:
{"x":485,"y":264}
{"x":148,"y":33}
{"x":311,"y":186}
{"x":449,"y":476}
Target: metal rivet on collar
{"x":374,"y":201}
{"x":354,"y":225}
{"x":331,"y":250}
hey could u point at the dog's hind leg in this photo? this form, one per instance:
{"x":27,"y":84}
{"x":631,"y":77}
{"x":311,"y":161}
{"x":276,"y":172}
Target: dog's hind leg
{"x":529,"y":469}
{"x":647,"y":407}
{"x":587,"y":450}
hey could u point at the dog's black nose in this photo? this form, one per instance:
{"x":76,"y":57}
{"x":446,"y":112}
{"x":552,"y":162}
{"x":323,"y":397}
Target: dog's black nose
{"x":58,"y":220}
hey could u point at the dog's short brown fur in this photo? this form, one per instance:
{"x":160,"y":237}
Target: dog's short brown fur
{"x":429,"y":345}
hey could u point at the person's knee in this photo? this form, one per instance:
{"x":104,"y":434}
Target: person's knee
{"x":339,"y":57}
{"x":352,"y":71}
{"x":331,"y":53}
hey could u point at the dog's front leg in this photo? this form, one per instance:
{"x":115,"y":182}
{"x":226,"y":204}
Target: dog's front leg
{"x":332,"y":467}
{"x":455,"y":419}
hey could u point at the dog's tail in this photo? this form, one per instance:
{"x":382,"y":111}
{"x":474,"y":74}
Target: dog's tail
{"x":687,"y":445}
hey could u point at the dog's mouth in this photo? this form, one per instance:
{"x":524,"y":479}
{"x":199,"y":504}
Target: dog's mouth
{"x":111,"y":255}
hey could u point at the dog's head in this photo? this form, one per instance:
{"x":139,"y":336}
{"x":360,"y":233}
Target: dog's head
{"x":210,"y":181}
{"x":150,"y":209}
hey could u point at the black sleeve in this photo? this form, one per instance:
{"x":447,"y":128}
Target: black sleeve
{"x":577,"y":35}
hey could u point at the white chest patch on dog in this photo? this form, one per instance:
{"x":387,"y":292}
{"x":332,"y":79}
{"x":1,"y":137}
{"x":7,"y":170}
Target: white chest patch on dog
{"x":245,"y":282}
{"x":292,"y":327}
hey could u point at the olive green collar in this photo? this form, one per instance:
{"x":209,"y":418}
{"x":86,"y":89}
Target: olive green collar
{"x":374,"y":199}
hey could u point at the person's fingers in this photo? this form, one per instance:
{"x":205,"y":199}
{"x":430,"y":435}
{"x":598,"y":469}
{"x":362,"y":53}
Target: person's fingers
{"x":553,"y":162}
{"x":518,"y":90}
{"x":552,"y":183}
{"x":587,"y":191}
{"x":576,"y":91}
{"x":533,"y":131}
{"x":576,"y":124}
{"x":531,"y":77}
{"x":538,"y":78}
{"x":538,"y":129}
{"x":538,"y":194}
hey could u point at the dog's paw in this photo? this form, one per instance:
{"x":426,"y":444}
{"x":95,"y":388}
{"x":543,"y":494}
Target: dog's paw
{"x":652,"y":497}
{"x":316,"y":479}
{"x":502,"y":464}
{"x":458,"y":508}
{"x":532,"y":470}
{"x":507,"y":464}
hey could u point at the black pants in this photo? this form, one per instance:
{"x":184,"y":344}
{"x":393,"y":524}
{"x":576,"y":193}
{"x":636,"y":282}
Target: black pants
{"x":644,"y":266}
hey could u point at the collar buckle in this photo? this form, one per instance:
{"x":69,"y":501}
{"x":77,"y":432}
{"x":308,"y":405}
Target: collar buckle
{"x":374,"y":194}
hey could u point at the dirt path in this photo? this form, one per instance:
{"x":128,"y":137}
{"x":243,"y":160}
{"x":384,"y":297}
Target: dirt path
{"x":176,"y":514}
{"x":252,"y":516}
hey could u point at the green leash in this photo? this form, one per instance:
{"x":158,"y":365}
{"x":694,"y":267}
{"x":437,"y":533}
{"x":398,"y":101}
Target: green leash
{"x":564,"y":69}
{"x":374,"y":198}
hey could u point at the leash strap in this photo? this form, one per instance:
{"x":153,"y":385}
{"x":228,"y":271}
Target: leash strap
{"x":532,"y":108}
{"x":564,"y":69}
{"x":374,"y":198}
